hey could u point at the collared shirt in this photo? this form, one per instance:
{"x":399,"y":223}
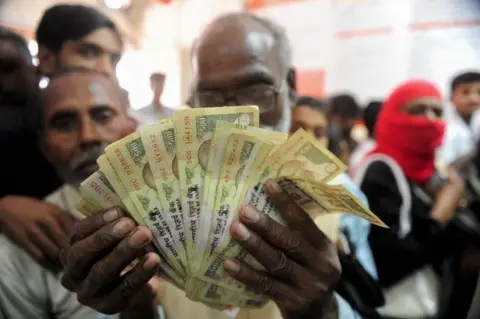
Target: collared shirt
{"x":40,"y":293}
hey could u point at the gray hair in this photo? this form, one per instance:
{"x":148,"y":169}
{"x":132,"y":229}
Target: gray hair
{"x":278,"y":33}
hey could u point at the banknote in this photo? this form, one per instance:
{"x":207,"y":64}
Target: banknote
{"x":129,"y":159}
{"x":318,"y":199}
{"x":159,"y":142}
{"x":199,"y":290}
{"x":222,"y":132}
{"x":193,"y":133}
{"x":301,"y":155}
{"x":86,"y":208}
{"x":107,"y":170}
{"x":100,"y":190}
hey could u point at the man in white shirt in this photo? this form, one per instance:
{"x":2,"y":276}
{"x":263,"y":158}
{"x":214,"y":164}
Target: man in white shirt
{"x":460,"y":117}
{"x":81,"y":112}
{"x":155,"y":111}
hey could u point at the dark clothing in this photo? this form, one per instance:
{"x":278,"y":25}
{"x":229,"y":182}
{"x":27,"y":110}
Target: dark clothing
{"x":398,"y":256}
{"x":25,"y":171}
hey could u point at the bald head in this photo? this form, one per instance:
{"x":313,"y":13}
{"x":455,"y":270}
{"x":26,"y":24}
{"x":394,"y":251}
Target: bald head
{"x":243,"y":59}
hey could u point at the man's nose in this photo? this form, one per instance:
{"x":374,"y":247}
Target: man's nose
{"x":89,"y":133}
{"x":104,"y":64}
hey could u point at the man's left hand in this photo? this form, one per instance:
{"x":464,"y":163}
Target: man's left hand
{"x":302,"y":265}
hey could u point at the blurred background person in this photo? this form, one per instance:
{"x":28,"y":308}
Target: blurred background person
{"x":465,"y":100}
{"x":406,"y":192}
{"x":343,"y":114}
{"x":310,"y":114}
{"x":370,"y":114}
{"x":77,"y":36}
{"x":155,"y":111}
{"x":37,"y":227}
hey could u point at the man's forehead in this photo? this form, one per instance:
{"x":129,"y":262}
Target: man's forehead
{"x":225,"y":38}
{"x":80,"y":87}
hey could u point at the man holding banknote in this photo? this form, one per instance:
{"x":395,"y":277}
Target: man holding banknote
{"x":238,"y":60}
{"x":81,"y":112}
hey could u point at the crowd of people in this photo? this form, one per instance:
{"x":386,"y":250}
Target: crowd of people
{"x":417,"y":169}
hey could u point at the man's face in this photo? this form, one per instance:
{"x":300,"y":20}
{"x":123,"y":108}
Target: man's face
{"x":100,"y":50}
{"x":82,"y":113}
{"x":343,"y":124}
{"x":239,"y":65}
{"x":17,"y":76}
{"x":157,"y":87}
{"x":311,"y":121}
{"x":466,"y":98}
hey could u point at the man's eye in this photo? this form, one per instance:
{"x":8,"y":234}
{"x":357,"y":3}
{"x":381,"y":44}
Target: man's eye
{"x":64,"y":125}
{"x":89,"y":52}
{"x":103,"y":116}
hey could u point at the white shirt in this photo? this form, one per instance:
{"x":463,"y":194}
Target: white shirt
{"x":459,"y":137}
{"x":149,"y":114}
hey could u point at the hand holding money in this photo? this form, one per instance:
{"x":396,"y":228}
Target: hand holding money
{"x":183,"y":181}
{"x":301,"y":263}
{"x":102,"y":246}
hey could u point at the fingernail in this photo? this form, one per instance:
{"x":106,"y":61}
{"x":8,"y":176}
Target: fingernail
{"x":241,"y":232}
{"x":231,"y":265}
{"x":152,"y":262}
{"x":138,"y":239}
{"x":250,"y":213}
{"x":122,"y":227}
{"x":111,"y":215}
{"x":273,"y":186}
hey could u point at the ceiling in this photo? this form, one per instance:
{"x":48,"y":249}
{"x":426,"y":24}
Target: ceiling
{"x":23,"y":15}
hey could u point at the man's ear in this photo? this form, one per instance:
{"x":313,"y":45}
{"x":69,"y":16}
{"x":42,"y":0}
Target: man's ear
{"x":47,"y":61}
{"x":292,"y":84}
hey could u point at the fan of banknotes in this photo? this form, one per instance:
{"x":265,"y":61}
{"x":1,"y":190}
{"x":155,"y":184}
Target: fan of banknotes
{"x":185,"y":178}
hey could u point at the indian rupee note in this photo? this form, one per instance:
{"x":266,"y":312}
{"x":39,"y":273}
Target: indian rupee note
{"x":319,"y":199}
{"x":199,"y":290}
{"x":128,"y":158}
{"x":159,"y":142}
{"x":107,"y":170}
{"x":221,"y":133}
{"x":99,"y":188}
{"x":193,"y":134}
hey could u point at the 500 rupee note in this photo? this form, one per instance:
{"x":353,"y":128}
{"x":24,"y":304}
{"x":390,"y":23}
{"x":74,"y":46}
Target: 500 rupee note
{"x":319,"y":199}
{"x":107,"y":170}
{"x":159,"y":143}
{"x":222,"y":132}
{"x":100,"y":190}
{"x":129,"y":159}
{"x":193,"y":134}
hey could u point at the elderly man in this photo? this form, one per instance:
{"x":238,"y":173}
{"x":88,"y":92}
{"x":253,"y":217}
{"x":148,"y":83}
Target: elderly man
{"x":239,"y":59}
{"x":81,"y":113}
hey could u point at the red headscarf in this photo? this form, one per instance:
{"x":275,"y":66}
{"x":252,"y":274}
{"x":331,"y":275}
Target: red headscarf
{"x":410,"y":140}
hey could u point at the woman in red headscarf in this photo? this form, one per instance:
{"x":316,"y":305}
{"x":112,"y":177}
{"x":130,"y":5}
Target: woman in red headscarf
{"x":405,"y":191}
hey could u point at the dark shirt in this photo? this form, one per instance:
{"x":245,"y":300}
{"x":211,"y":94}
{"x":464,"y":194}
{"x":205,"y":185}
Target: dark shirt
{"x":24,"y":169}
{"x":398,"y":256}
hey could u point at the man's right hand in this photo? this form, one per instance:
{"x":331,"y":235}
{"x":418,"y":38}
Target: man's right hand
{"x":101,"y":247}
{"x":38,"y":227}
